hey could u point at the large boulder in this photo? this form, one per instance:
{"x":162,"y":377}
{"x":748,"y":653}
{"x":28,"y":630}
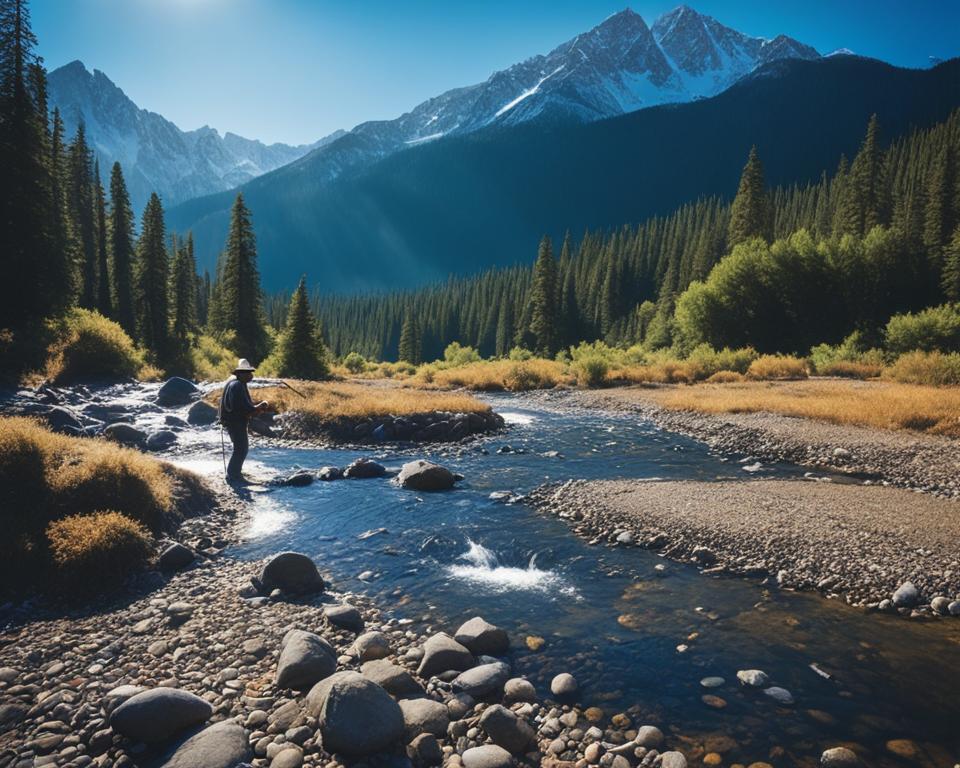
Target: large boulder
{"x":344,"y":616}
{"x":305,"y":659}
{"x":298,"y":479}
{"x":839,"y":757}
{"x":223,"y":745}
{"x":62,"y":420}
{"x":160,"y":440}
{"x":423,"y":475}
{"x":442,"y":653}
{"x":424,"y":716}
{"x":201,"y":414}
{"x":355,"y":715}
{"x":393,"y":679}
{"x":482,"y":637}
{"x":291,"y":572}
{"x":507,"y":730}
{"x":364,"y":468}
{"x":175,"y":557}
{"x":483,"y":680}
{"x":177,"y":391}
{"x":906,"y":596}
{"x":563,"y":684}
{"x":155,"y":715}
{"x":125,"y":434}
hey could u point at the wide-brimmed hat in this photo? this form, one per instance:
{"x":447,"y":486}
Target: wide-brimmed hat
{"x":243,"y":365}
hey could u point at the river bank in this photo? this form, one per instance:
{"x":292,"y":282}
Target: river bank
{"x":903,"y":458}
{"x":858,"y":543}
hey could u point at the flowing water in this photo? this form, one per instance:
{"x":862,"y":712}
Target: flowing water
{"x":632,"y":634}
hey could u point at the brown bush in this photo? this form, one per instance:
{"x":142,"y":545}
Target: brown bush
{"x":726,"y":377}
{"x":767,"y":367}
{"x":98,"y":549}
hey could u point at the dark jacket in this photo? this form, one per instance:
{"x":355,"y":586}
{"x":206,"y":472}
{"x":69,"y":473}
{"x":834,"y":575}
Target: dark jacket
{"x":235,"y":403}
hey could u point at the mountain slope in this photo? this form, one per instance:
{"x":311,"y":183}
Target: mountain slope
{"x":619,"y":66}
{"x":155,"y":154}
{"x":464,"y":203}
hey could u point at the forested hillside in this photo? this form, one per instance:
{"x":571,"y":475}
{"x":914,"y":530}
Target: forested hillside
{"x":876,"y":237}
{"x":464,"y":204}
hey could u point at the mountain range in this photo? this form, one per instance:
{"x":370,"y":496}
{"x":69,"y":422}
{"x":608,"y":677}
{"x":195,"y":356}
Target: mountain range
{"x":619,"y":66}
{"x":467,"y":202}
{"x":155,"y":154}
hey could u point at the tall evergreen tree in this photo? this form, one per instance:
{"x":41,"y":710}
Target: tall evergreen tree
{"x":104,"y":299}
{"x":183,"y":292}
{"x":34,"y":284}
{"x":505,"y":329}
{"x":868,"y":180}
{"x":300,"y":351}
{"x":240,"y":301}
{"x":410,"y":340}
{"x":750,"y":212}
{"x":121,"y":252}
{"x":150,"y":283}
{"x":81,"y":210}
{"x":544,"y":321}
{"x":950,"y":281}
{"x":61,"y":241}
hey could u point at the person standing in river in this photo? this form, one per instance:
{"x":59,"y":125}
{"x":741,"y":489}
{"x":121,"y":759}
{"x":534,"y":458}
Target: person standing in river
{"x":236,"y":408}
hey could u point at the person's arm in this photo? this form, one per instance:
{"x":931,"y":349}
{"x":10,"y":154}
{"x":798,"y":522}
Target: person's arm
{"x":249,"y":406}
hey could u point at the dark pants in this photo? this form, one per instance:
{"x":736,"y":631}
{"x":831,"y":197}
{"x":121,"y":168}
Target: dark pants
{"x":241,"y":445}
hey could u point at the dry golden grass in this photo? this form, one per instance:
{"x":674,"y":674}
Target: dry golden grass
{"x":935,"y":410}
{"x":333,"y":401}
{"x":770,"y":367}
{"x":851,"y":369}
{"x":90,"y":550}
{"x":498,"y":375}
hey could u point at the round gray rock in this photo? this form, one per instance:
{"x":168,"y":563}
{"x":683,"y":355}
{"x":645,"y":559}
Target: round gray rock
{"x":753,"y":678}
{"x":481,"y":637}
{"x":177,"y":391}
{"x":291,"y":572}
{"x":156,"y":715}
{"x":424,"y":716}
{"x":354,"y":715}
{"x":519,"y":689}
{"x":507,"y":730}
{"x":391,"y":678}
{"x":906,"y":596}
{"x":442,"y":653}
{"x":201,"y":414}
{"x":161,"y":439}
{"x":487,"y":756}
{"x":344,"y":616}
{"x":423,"y":475}
{"x":563,"y":684}
{"x":223,"y":745}
{"x":673,"y":760}
{"x":370,"y":646}
{"x":483,"y":680}
{"x":124,"y":434}
{"x":364,"y":468}
{"x":839,"y":757}
{"x":649,"y":736}
{"x":305,"y":659}
{"x":175,"y":557}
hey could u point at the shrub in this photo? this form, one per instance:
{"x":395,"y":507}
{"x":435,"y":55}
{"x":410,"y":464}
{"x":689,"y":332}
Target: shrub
{"x":455,"y":355}
{"x":519,"y":353}
{"x":97,"y":549}
{"x":934,"y":368}
{"x":936,"y":329}
{"x":355,"y":363}
{"x":90,"y":346}
{"x":726,"y":377}
{"x":591,"y":371}
{"x":210,"y":359}
{"x":522,"y":377}
{"x":851,"y":369}
{"x":777,"y":367}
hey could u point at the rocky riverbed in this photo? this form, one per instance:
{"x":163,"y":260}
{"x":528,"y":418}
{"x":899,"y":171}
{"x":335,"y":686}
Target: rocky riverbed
{"x":227,"y":663}
{"x":905,"y":459}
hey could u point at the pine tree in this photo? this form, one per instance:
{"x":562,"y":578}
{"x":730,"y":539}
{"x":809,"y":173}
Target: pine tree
{"x":950,"y":281}
{"x":121,"y":252}
{"x":81,"y":208}
{"x":183,"y":292}
{"x":300,"y":351}
{"x":240,"y":301}
{"x":543,"y":303}
{"x":410,"y":340}
{"x":750,"y":212}
{"x":35,"y":284}
{"x":61,"y":241}
{"x":150,"y":283}
{"x":104,"y":299}
{"x":938,"y":222}
{"x":504,"y":328}
{"x":868,"y":180}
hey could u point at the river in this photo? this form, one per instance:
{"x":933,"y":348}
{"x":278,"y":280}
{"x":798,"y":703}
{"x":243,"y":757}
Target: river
{"x":635,"y":629}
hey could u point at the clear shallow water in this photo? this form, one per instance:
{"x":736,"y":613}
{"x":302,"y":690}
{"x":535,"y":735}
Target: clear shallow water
{"x":607,"y":615}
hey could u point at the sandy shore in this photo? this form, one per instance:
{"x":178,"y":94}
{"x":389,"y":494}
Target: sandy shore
{"x":858,"y":542}
{"x":906,"y":459}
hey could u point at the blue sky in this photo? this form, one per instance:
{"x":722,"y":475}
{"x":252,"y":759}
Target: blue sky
{"x":295,"y":70}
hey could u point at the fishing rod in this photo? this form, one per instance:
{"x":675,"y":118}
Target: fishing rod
{"x":293,"y":389}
